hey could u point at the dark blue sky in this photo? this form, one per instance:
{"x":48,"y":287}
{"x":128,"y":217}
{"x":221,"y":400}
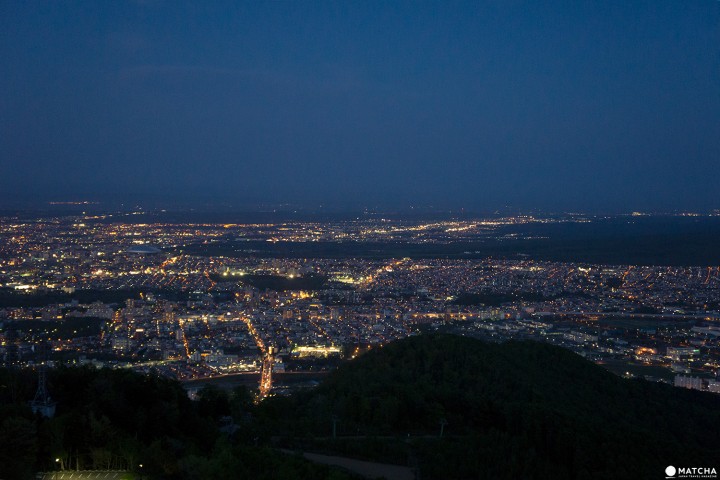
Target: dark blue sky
{"x":574,"y":105}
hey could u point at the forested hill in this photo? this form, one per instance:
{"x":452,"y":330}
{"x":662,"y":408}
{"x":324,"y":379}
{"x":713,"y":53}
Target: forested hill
{"x":143,"y":424}
{"x":512,"y":410}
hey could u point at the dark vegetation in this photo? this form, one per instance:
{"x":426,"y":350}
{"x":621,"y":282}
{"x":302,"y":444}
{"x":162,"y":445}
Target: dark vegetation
{"x":669,"y":250}
{"x":512,"y":410}
{"x":672,"y":241}
{"x":281,"y":283}
{"x":492,"y":299}
{"x":13,"y":298}
{"x":71,"y":327}
{"x":117,"y":419}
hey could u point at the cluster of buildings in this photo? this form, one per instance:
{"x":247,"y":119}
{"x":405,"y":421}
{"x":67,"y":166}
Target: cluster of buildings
{"x":110,"y":292}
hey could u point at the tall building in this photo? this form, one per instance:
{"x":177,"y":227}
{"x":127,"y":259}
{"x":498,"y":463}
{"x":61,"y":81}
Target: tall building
{"x":693,"y":383}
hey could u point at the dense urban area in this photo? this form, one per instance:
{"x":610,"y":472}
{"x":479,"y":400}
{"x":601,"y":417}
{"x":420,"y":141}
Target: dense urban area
{"x":197,"y":301}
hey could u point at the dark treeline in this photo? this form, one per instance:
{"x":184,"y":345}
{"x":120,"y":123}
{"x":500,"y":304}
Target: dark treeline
{"x":117,"y":419}
{"x":512,"y":410}
{"x":497,"y":299}
{"x":12,"y":298}
{"x":72,"y":327}
{"x":280,"y":282}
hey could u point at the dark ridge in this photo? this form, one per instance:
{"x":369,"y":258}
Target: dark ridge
{"x":513,"y":410}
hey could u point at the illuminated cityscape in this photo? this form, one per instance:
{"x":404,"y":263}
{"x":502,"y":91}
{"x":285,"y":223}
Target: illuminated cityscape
{"x":359,"y":239}
{"x":104,"y":291}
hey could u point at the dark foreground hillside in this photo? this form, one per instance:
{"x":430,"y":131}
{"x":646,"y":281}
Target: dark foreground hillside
{"x":147,"y":425}
{"x":512,"y":410}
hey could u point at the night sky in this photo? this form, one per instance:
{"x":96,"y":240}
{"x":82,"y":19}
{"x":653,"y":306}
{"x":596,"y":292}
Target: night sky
{"x":574,"y":105}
